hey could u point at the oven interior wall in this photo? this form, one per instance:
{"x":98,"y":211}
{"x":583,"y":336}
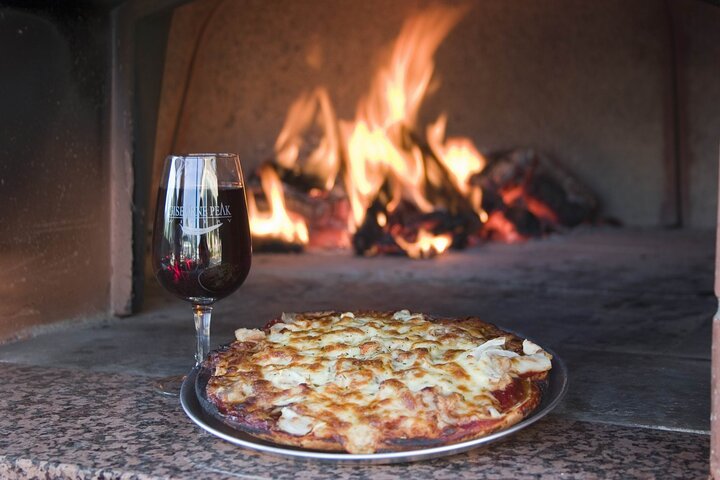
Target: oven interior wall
{"x":54,"y":238}
{"x":625,"y":94}
{"x":698,"y":37}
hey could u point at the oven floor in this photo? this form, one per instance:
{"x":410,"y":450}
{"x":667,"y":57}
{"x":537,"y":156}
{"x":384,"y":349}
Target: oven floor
{"x":629,"y":311}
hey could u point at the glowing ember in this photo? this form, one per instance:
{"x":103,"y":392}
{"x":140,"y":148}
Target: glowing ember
{"x":518,"y":194}
{"x":498,"y":227}
{"x":276,"y":222}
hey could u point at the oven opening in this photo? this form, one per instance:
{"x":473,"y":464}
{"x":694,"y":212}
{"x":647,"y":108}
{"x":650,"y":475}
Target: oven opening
{"x":430,"y":128}
{"x":549,"y":167}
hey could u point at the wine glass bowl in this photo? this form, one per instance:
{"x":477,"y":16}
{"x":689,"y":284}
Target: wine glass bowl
{"x":201,"y":249}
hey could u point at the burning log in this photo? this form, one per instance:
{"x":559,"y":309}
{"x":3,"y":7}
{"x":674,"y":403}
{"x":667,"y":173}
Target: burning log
{"x":276,"y":245}
{"x":372,"y":237}
{"x":420,"y":235}
{"x":533,"y":193}
{"x":406,"y":229}
{"x":461,"y":218}
{"x":324,"y":213}
{"x":327,"y":214}
{"x":273,"y":226}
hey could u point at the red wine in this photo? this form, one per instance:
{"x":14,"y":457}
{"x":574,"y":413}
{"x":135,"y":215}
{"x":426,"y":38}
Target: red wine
{"x":201,"y":242}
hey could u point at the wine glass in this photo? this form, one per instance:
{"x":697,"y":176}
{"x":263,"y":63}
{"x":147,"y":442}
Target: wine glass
{"x":201,"y":238}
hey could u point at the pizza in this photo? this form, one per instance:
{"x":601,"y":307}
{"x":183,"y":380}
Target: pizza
{"x":366,"y":382}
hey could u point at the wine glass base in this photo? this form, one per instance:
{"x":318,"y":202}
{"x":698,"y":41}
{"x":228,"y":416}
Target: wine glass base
{"x":169,"y":386}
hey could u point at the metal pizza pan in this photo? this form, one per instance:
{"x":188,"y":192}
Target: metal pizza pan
{"x":201,"y":412}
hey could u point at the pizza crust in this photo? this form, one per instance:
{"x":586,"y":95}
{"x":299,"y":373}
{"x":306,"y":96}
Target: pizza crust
{"x":336,"y":382}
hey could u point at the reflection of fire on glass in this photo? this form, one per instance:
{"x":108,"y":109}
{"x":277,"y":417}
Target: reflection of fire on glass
{"x":202,"y":242}
{"x":384,"y":184}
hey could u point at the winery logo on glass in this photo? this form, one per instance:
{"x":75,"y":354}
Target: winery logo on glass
{"x":207,"y":213}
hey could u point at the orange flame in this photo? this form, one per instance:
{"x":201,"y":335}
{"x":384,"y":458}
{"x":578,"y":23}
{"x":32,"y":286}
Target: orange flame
{"x":426,"y":245}
{"x":277,"y":222}
{"x":461,"y":159}
{"x":458,"y":154}
{"x":399,"y":88}
{"x":310,"y":110}
{"x":374,"y":142}
{"x":373,"y":148}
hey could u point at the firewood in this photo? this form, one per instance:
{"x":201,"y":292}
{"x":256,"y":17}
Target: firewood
{"x":545,"y":188}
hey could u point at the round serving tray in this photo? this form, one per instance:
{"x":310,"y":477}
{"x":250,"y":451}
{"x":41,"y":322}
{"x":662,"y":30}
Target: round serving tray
{"x":553,"y":391}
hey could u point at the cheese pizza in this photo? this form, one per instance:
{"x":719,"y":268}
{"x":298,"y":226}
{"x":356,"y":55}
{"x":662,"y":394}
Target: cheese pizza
{"x":365,"y":382}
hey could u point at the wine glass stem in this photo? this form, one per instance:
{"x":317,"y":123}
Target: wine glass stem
{"x":202,"y":315}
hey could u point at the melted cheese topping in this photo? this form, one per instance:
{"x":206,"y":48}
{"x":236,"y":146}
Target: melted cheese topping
{"x":358,"y":374}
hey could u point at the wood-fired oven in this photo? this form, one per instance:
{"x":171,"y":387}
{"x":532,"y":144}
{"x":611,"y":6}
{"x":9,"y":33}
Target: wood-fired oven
{"x":613,"y":106}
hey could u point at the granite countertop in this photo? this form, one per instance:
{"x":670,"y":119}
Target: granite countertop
{"x":72,"y":424}
{"x":76,"y":401}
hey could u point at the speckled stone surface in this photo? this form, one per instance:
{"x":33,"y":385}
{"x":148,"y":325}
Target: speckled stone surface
{"x":60,"y":423}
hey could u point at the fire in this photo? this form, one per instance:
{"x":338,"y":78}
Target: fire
{"x":461,"y":159}
{"x":381,"y":219}
{"x":426,"y":245}
{"x":312,"y":109}
{"x":374,"y":141}
{"x":396,"y":184}
{"x":537,"y":208}
{"x":370,"y":155}
{"x":275,"y":223}
{"x":502,"y":229}
{"x":458,"y":154}
{"x":400,"y":86}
